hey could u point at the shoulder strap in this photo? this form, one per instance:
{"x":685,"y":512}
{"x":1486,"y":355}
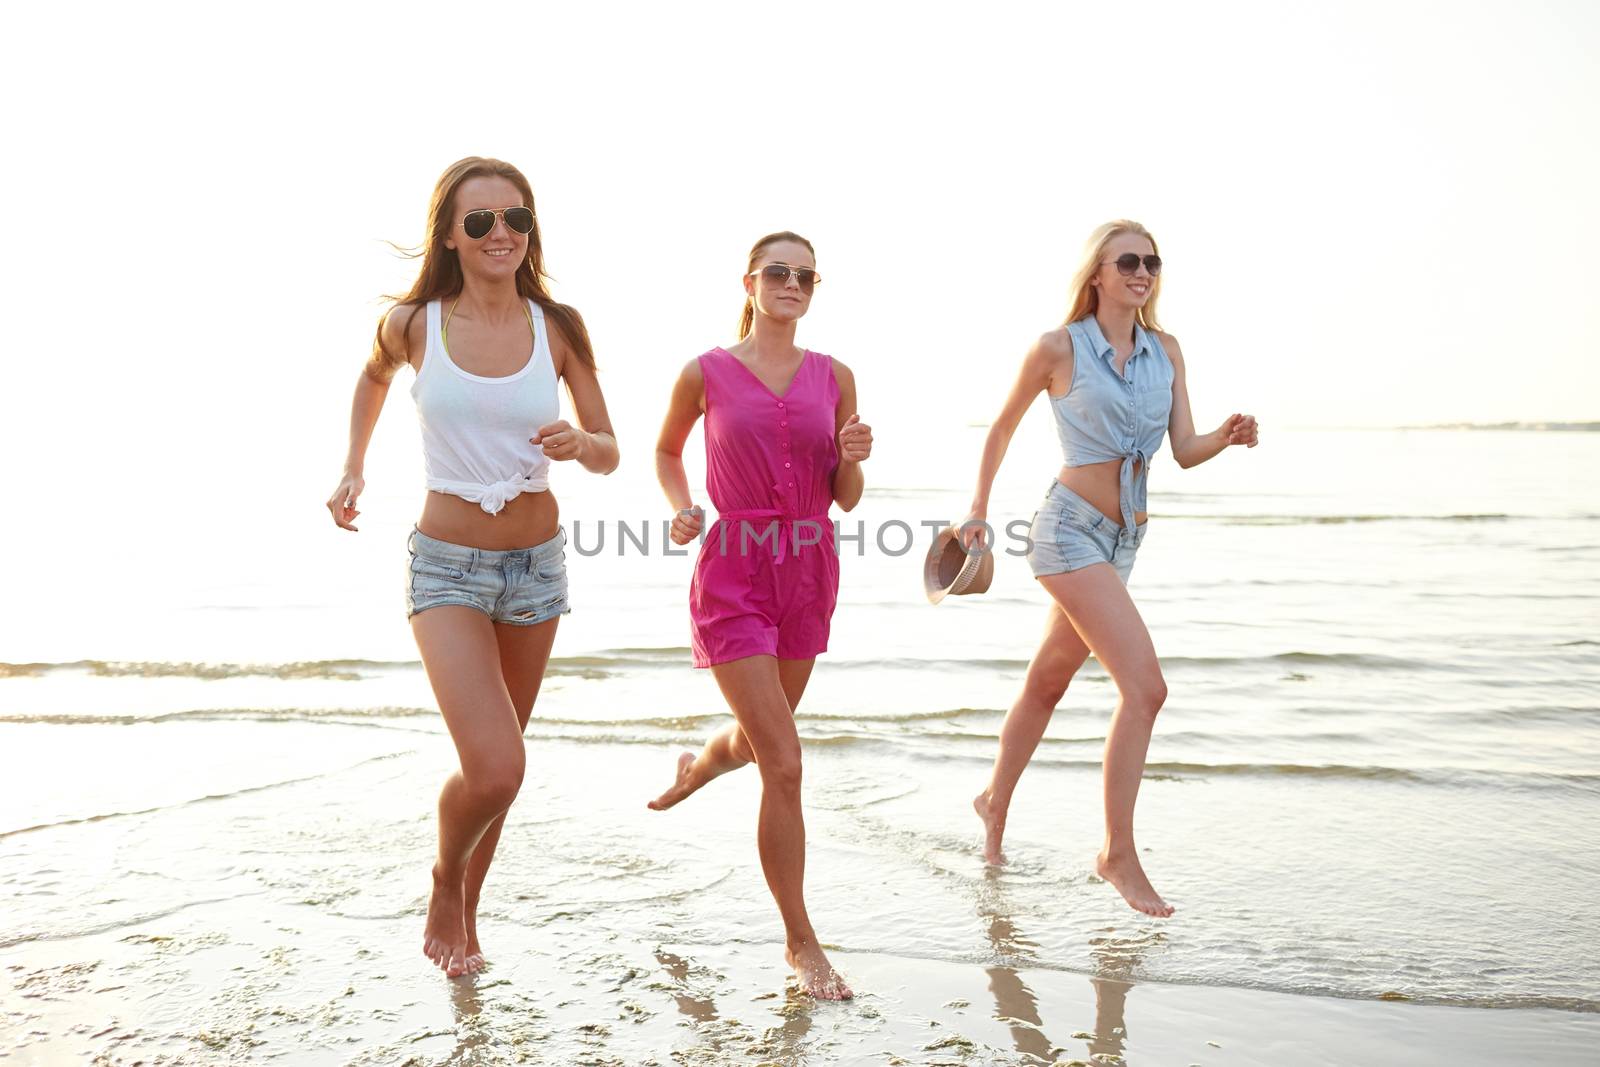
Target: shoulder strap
{"x":430,"y":336}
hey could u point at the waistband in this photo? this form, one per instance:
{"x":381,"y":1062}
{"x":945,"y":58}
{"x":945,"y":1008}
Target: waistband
{"x":776,"y":519}
{"x":1070,"y":502}
{"x":467,"y":558}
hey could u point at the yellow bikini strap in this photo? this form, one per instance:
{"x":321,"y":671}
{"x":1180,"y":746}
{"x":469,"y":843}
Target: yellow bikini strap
{"x":444,"y":330}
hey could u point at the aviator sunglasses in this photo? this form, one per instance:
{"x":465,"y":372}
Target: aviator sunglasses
{"x":778,"y":274}
{"x":1129,"y":262}
{"x":479,"y":223}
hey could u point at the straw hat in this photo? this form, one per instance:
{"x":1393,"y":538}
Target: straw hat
{"x":949,"y":570}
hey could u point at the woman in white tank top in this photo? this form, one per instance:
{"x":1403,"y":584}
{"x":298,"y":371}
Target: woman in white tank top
{"x":487,"y":579}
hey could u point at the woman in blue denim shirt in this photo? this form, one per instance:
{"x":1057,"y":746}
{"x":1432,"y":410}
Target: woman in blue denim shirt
{"x":1116,"y":385}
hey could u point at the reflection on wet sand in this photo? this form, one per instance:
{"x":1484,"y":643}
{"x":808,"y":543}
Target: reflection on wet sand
{"x":1014,"y":1003}
{"x":727,"y":1040}
{"x":697,"y":1008}
{"x":1018,"y":1008}
{"x":466,"y":1008}
{"x":786,"y":1043}
{"x":1110,"y":1037}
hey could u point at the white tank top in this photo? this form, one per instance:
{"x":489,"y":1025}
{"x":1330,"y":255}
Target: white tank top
{"x":475,"y":430}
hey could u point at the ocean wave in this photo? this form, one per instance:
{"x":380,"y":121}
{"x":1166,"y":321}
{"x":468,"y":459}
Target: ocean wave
{"x":597,"y":664}
{"x":340,"y":715}
{"x":1336,"y":520}
{"x":341,"y":669}
{"x":609,"y":662}
{"x":1357,"y":660}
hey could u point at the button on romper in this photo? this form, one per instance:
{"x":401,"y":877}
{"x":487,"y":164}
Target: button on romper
{"x":768,"y":573}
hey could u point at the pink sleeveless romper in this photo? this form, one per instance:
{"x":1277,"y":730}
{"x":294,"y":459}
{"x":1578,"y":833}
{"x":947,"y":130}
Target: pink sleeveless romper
{"x":768,"y":574}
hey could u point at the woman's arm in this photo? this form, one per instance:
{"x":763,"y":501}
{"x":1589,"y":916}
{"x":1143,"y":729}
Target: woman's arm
{"x":683,"y":410}
{"x":372,"y":388}
{"x":1190,"y":448}
{"x":594,"y":446}
{"x":1043,"y":359}
{"x":855,"y":441}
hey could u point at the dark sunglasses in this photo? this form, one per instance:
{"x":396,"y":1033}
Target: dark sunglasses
{"x":778,"y":274}
{"x":479,"y":223}
{"x":1129,"y":262}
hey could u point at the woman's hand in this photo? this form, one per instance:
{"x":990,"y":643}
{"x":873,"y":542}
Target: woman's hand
{"x":560,"y":440}
{"x":855,"y":440}
{"x":342,"y":504}
{"x":686,"y":525}
{"x":1239,"y":430}
{"x":971,"y":529}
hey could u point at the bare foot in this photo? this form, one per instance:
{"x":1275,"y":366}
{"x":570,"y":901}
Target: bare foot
{"x":994,"y":828}
{"x":444,"y":938}
{"x":1127,"y":874}
{"x":815,"y":974}
{"x":680,"y":788}
{"x":475,"y":960}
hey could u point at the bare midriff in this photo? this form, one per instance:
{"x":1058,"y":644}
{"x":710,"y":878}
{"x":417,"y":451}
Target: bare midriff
{"x":1100,"y":485}
{"x":527,"y":520}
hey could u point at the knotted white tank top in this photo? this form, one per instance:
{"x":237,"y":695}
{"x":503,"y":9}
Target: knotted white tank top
{"x":476,"y":430}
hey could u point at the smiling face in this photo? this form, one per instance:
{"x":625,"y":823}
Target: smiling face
{"x":497,"y":255}
{"x":1118,"y":290}
{"x":784,"y":301}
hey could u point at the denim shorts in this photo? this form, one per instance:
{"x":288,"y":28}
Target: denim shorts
{"x":521,"y":586}
{"x":1069,"y":533}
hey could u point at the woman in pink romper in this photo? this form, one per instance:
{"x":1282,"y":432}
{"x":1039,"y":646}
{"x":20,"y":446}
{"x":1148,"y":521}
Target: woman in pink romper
{"x":783,"y":442}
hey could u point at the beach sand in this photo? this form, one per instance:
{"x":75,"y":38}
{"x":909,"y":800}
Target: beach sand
{"x":284,"y":925}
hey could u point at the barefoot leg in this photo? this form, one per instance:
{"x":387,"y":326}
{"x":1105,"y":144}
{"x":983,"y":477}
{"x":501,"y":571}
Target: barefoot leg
{"x":729,"y":749}
{"x":1100,"y":609}
{"x":524,"y":654}
{"x":726,"y":751}
{"x":1060,"y":655}
{"x":755,"y":690}
{"x":463,"y":663}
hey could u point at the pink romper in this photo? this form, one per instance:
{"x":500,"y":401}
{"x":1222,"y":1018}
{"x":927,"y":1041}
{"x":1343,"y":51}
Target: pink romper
{"x":768,"y":573}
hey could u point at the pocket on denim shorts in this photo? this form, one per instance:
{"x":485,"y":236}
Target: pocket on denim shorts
{"x":431,"y":568}
{"x":552,"y":570}
{"x":1077,"y":518}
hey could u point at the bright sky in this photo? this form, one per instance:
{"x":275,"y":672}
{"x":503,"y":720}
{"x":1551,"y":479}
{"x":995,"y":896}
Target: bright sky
{"x":1371,"y":214}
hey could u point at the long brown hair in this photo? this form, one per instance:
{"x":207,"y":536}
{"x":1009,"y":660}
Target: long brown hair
{"x":441,"y":277}
{"x":1086,"y":297}
{"x":747,"y":318}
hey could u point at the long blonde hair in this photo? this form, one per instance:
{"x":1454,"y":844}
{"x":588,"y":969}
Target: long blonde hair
{"x":747,"y":317}
{"x":1086,"y":297}
{"x":441,"y":277}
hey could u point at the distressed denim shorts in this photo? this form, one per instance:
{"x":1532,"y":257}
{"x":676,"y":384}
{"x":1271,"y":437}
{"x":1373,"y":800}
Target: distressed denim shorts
{"x":1069,"y":533}
{"x":520,"y":586}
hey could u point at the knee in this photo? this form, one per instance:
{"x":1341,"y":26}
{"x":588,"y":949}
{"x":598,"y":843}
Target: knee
{"x":1146,"y":695}
{"x":496,"y":785}
{"x":1046,"y":685}
{"x":1041,"y":696}
{"x":780,"y":771}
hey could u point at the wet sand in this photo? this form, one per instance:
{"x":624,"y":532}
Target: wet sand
{"x":225,"y":983}
{"x":283,"y":924}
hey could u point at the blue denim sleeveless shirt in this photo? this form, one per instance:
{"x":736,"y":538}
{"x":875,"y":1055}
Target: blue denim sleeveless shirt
{"x":1106,"y":415}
